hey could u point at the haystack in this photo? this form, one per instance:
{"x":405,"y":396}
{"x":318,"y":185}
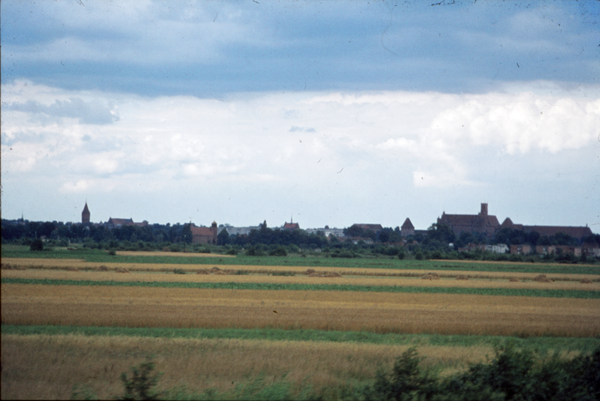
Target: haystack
{"x":431,"y":276}
{"x":315,"y":274}
{"x":462,"y":277}
{"x":121,"y":270}
{"x":203,"y":271}
{"x":102,"y":268}
{"x":215,"y":269}
{"x":6,"y":266}
{"x":541,"y":278}
{"x":72,"y":268}
{"x":514,"y":280}
{"x":219,"y":272}
{"x":332,"y":274}
{"x":310,"y":271}
{"x":585,"y":281}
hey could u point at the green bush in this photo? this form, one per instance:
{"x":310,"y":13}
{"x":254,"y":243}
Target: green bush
{"x":37,"y":245}
{"x":279,"y":251}
{"x":140,"y":385}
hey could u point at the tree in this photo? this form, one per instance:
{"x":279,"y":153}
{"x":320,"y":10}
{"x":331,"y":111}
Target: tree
{"x":37,"y":245}
{"x":223,"y":237}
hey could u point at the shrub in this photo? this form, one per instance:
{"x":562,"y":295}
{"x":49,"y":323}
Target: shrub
{"x":37,"y":245}
{"x":178,"y":271}
{"x":279,"y":251}
{"x":112,"y":252}
{"x":140,"y":385}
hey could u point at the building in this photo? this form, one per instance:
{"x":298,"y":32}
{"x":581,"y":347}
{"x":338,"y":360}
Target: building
{"x":85,"y":215}
{"x":407,"y":228}
{"x":474,"y":224}
{"x":291,"y":226}
{"x":369,"y":227}
{"x":520,"y":249}
{"x":547,"y":231}
{"x":336,"y":232}
{"x":204,"y":235}
{"x":116,"y":223}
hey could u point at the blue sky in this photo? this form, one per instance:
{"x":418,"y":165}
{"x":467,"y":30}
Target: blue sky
{"x":331,"y":112}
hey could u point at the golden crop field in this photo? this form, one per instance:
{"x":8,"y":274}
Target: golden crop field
{"x":51,"y":365}
{"x":62,"y":264}
{"x":299,"y":279}
{"x":326,"y":310}
{"x":173,"y":254}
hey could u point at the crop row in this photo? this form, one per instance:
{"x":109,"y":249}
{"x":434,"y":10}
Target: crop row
{"x":321,"y":310}
{"x":320,"y":261}
{"x":511,"y":292}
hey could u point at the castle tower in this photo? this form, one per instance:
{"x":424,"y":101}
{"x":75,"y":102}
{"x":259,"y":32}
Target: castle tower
{"x":484,"y":209}
{"x":85,"y":215}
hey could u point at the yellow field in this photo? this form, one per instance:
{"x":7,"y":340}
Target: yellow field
{"x":48,"y":367}
{"x":326,"y":310}
{"x":300,"y":279}
{"x":61,"y":264}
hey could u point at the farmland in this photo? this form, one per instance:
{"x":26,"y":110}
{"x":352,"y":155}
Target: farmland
{"x":217,"y":321}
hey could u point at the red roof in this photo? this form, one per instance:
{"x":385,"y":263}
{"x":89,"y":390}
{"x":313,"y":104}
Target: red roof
{"x":577,"y":232}
{"x":407,"y":224}
{"x":291,"y":226}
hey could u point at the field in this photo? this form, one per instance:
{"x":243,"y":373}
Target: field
{"x":242,"y":328}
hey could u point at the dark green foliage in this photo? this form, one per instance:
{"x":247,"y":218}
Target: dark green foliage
{"x":112,"y":252}
{"x":279,"y":251}
{"x":141,"y":383}
{"x":37,"y":245}
{"x":512,"y":375}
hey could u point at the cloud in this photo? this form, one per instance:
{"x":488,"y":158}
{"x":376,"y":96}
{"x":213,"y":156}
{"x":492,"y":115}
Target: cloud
{"x":92,"y":112}
{"x":302,"y":129}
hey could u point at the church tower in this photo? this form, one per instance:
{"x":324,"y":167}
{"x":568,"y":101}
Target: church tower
{"x":85,"y":215}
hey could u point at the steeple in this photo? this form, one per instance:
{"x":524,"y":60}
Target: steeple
{"x":85,"y":215}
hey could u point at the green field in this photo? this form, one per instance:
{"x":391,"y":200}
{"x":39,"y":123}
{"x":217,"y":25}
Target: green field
{"x":511,"y":292}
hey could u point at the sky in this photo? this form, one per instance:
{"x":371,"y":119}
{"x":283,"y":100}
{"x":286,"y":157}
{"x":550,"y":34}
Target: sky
{"x":321,"y":112}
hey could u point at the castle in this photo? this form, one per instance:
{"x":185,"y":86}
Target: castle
{"x":488,"y":225}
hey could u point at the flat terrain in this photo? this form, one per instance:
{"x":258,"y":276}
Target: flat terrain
{"x":313,"y":304}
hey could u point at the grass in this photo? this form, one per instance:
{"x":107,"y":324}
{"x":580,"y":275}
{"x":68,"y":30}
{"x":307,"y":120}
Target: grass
{"x":51,"y":366}
{"x":538,"y":344}
{"x":512,"y":292}
{"x":100,"y":256}
{"x":322,"y":310}
{"x":481,"y":280}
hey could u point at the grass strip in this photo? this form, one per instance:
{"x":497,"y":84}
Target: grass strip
{"x":522,"y":292}
{"x":366,"y":262}
{"x":566,"y":344}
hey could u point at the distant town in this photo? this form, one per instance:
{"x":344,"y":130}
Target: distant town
{"x":459,"y":233}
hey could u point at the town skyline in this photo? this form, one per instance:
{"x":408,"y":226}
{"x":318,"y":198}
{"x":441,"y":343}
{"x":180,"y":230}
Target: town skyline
{"x":330,"y":112}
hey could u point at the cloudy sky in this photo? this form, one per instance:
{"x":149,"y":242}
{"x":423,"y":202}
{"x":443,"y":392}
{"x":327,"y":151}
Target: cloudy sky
{"x":327,"y":112}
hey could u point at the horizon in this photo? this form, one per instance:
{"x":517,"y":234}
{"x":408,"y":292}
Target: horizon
{"x":332,"y":113}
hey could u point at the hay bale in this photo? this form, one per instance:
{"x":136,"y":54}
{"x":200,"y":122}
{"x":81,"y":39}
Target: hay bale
{"x":102,"y":268}
{"x":514,"y":280}
{"x":122,"y":270}
{"x":585,"y":281}
{"x":315,"y":274}
{"x":462,"y":277}
{"x":72,"y":269}
{"x":541,"y":278}
{"x":215,"y":269}
{"x":203,"y":271}
{"x":220,"y":273}
{"x":431,"y":276}
{"x":310,"y":271}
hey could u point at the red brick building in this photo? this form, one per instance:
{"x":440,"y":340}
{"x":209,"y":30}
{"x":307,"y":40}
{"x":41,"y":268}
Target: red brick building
{"x":85,"y":215}
{"x":481,"y":223}
{"x":204,"y":235}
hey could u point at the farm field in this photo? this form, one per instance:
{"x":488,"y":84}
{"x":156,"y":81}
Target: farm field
{"x":321,"y":322}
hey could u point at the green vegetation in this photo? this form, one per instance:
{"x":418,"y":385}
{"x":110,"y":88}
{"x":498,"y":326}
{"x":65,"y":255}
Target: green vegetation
{"x":513,"y":374}
{"x":314,"y":259}
{"x":539,"y":344}
{"x":522,"y":292}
